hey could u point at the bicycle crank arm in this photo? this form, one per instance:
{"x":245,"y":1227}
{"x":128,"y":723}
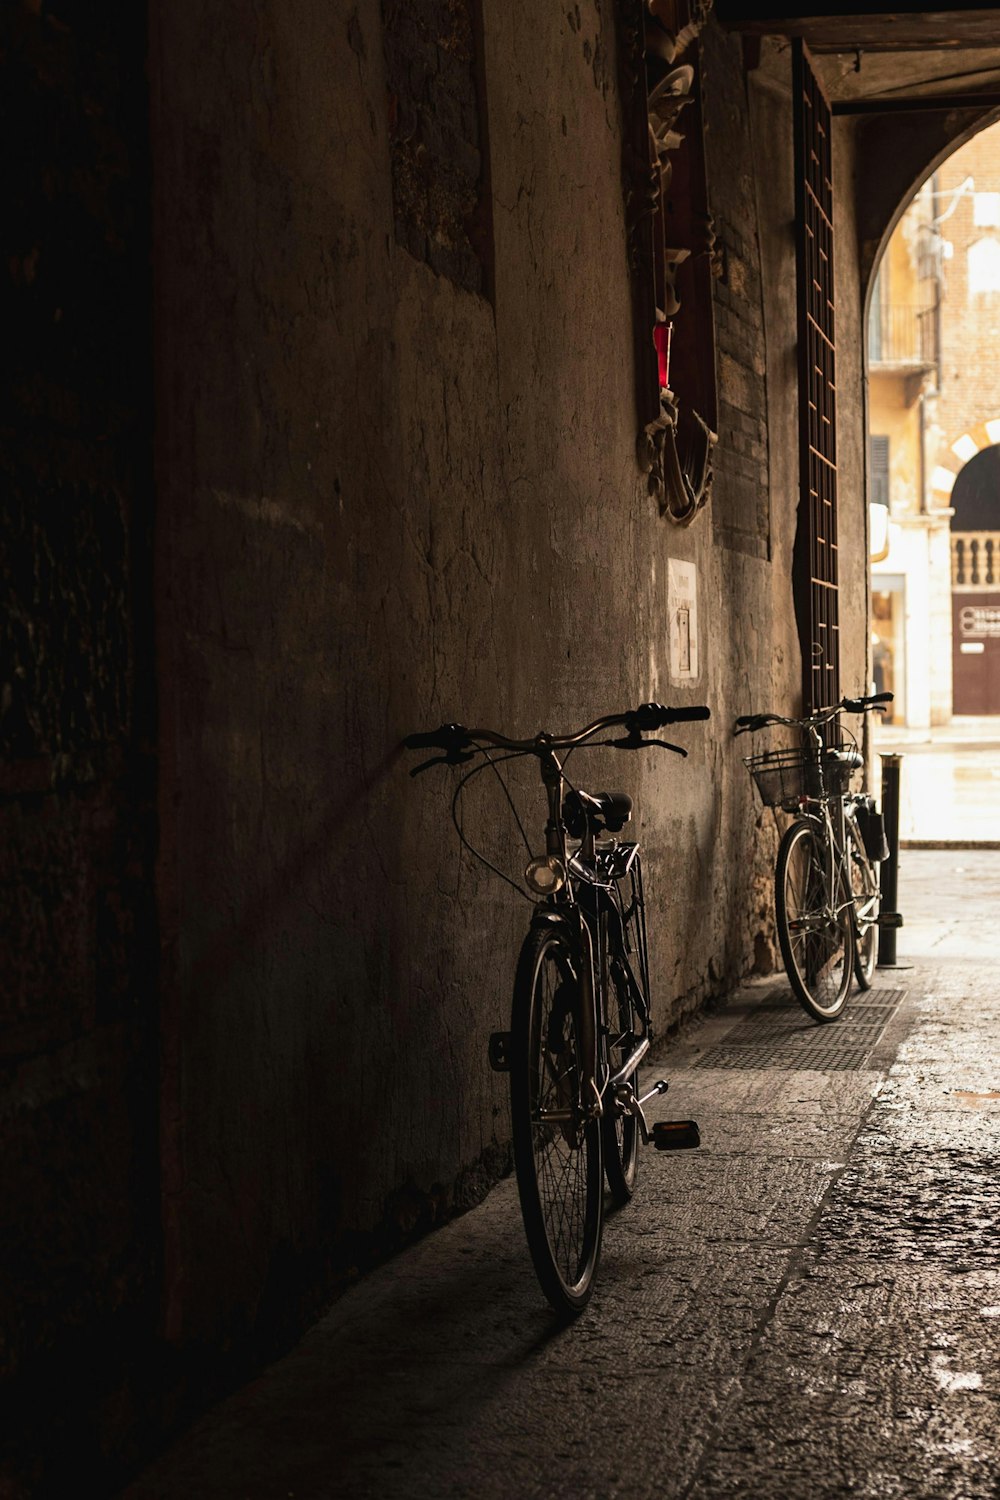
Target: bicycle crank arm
{"x":625,"y":1095}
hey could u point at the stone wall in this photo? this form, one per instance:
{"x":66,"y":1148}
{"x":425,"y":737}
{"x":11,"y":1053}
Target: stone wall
{"x":393,"y":496}
{"x":396,"y":482}
{"x":79,"y":1289}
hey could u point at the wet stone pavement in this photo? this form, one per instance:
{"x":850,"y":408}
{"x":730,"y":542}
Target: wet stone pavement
{"x":809,"y":1306}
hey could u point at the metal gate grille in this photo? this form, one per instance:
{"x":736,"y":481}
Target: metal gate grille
{"x":817,"y":569}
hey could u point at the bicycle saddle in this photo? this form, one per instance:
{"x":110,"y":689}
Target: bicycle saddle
{"x":610,"y":810}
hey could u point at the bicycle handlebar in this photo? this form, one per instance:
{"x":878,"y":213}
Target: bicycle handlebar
{"x":438,"y":739}
{"x":455,"y":740}
{"x":658,"y":716}
{"x":863,"y":705}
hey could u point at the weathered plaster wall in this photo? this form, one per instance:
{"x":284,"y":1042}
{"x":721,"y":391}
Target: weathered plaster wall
{"x":79,"y":1209}
{"x":893,"y":416}
{"x":403,"y":502}
{"x":389,"y":501}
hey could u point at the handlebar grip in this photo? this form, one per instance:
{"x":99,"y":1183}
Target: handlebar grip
{"x":859,"y":705}
{"x":444,"y":738}
{"x":658,"y":716}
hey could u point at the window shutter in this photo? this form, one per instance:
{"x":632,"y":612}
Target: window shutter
{"x":878,"y":466}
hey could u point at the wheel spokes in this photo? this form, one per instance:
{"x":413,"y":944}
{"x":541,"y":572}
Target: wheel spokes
{"x":559,"y":1146}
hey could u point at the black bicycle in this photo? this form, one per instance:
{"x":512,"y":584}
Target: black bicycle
{"x":826,"y":886}
{"x":580,"y":1015}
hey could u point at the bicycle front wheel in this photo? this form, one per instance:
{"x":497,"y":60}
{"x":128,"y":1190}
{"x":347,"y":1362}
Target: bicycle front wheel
{"x":815,"y":923}
{"x":557,"y":1139}
{"x":864,"y":888}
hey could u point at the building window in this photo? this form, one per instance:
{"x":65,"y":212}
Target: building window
{"x":984,"y":266}
{"x":986,"y":210}
{"x":878,"y":469}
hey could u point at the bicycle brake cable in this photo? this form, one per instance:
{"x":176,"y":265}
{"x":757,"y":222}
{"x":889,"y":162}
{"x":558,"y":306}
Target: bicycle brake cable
{"x":510,"y":800}
{"x":515,"y":755}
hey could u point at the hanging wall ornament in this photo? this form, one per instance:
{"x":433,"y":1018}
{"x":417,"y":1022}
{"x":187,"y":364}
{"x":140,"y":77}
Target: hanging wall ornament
{"x":670,"y":250}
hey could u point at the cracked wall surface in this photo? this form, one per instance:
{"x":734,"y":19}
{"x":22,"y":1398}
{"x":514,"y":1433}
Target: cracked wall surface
{"x":389,"y":501}
{"x":254,"y":973}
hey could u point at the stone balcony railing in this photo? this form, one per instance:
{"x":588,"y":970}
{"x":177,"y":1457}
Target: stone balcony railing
{"x":975,"y":559}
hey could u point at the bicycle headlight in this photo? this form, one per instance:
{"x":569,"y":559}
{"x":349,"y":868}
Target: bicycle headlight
{"x":545,"y":875}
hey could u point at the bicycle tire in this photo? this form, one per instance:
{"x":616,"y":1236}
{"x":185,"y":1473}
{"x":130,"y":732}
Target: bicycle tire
{"x":621,"y":1130}
{"x":559,"y":1166}
{"x":817,"y":947}
{"x":864,"y":888}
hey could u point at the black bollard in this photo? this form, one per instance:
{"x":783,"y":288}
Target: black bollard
{"x":889,"y":918}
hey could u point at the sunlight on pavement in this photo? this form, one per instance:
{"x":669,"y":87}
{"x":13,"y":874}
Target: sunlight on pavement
{"x":950,"y":781}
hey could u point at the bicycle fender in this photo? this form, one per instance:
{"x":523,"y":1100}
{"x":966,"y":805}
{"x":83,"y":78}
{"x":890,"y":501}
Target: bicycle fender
{"x":544,"y":916}
{"x":581,"y":945}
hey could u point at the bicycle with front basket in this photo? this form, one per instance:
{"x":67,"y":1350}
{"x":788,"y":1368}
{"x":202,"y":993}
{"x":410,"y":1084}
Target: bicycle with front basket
{"x":580,"y":1014}
{"x":826,"y":879}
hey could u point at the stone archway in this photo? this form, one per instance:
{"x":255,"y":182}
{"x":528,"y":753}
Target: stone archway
{"x":959,"y":453}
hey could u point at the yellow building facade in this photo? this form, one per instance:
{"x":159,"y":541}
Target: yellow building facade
{"x":934,"y":459}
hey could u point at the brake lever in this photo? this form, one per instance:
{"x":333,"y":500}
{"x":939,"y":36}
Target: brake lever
{"x":635,"y":741}
{"x":666,"y":745}
{"x":453,"y":758}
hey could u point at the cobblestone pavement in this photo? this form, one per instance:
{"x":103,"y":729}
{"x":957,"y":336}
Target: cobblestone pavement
{"x":807,"y":1307}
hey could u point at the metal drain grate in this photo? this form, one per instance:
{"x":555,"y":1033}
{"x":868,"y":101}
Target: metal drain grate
{"x":779,"y":1034}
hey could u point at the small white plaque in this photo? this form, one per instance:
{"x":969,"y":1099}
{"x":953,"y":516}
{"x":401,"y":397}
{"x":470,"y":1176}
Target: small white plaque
{"x":682,"y":608}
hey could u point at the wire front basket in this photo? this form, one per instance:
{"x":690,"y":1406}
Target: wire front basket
{"x":784,"y":777}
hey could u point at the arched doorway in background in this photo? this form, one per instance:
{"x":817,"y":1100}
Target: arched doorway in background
{"x":975,"y":584}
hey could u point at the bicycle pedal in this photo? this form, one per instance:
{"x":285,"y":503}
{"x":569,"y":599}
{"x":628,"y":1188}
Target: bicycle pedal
{"x":675,"y":1135}
{"x":889,"y":919}
{"x":499,"y":1051}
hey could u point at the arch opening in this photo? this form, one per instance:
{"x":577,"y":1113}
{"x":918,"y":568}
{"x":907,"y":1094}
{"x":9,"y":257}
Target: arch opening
{"x":933,"y":358}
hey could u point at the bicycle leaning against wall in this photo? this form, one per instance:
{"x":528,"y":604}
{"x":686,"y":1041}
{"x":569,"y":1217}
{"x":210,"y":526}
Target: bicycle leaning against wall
{"x":580,"y":1015}
{"x":826,"y":881}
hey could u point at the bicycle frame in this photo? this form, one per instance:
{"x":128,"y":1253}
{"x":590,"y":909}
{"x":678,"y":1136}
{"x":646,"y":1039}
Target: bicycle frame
{"x":829,"y":812}
{"x":586,"y":933}
{"x":833,"y":831}
{"x":589,"y":939}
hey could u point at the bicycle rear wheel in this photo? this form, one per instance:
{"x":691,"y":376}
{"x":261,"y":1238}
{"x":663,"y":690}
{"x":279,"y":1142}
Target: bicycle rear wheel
{"x":815,"y":924}
{"x":864,"y":885}
{"x":557,"y":1145}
